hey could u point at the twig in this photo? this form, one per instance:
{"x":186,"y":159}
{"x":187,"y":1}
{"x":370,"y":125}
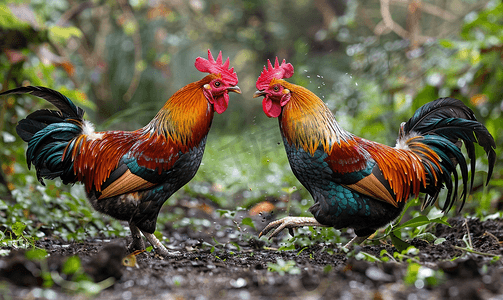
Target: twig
{"x":493,"y":236}
{"x":389,"y":23}
{"x":468,"y":232}
{"x":474,"y":252}
{"x":73,"y":12}
{"x":431,"y":9}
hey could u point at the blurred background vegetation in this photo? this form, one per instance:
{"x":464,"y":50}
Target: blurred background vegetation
{"x":374,"y":62}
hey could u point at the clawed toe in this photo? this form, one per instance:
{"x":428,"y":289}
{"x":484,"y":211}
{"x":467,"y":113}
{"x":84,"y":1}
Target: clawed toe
{"x":290,"y":223}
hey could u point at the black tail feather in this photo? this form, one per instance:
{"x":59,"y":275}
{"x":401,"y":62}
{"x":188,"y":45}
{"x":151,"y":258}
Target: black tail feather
{"x":36,"y":121}
{"x":67,"y":108}
{"x":49,"y":132}
{"x":443,"y":123}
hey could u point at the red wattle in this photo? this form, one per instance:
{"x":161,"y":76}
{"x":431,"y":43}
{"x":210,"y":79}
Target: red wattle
{"x":271,"y":109}
{"x":221,"y":103}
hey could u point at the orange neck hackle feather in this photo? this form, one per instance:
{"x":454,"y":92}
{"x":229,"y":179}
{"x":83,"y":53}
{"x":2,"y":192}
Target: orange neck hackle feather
{"x":179,"y":126}
{"x":306,"y":122}
{"x":187,"y":115}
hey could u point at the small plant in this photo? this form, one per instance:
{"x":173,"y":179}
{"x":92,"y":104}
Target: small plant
{"x":421,"y":276}
{"x":307,"y":236}
{"x":366,"y":256}
{"x":415,"y":227}
{"x":239,"y":223}
{"x":283,"y":267}
{"x":17,"y":239}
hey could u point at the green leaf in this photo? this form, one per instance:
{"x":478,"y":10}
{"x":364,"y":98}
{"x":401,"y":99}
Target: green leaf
{"x":400,"y":245}
{"x":298,"y":253}
{"x":9,"y":21}
{"x":249,"y":222}
{"x":327,"y":269}
{"x":446,"y":43}
{"x":36,"y":254}
{"x":226,"y":213}
{"x":427,"y":236}
{"x":63,"y":34}
{"x":495,"y":259}
{"x":440,"y":220}
{"x":236,"y":245}
{"x":411,"y":275}
{"x":368,"y":257}
{"x":71,"y":265}
{"x":158,"y":234}
{"x":287,"y":247}
{"x":415,"y":222}
{"x":18,"y":228}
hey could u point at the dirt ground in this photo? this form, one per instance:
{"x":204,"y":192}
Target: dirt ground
{"x":239,"y":270}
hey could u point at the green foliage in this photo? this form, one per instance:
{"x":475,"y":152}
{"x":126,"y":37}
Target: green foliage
{"x":421,"y":276}
{"x":62,"y":34}
{"x":36,"y":254}
{"x":307,"y":236}
{"x":366,"y":257}
{"x":283,"y":267}
{"x":9,"y":21}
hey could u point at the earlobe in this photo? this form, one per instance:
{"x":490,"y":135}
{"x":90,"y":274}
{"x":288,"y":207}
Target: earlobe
{"x":207,"y":86}
{"x":284,"y":100}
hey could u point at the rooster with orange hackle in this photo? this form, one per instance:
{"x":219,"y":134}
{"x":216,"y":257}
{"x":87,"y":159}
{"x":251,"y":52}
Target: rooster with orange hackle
{"x":361,"y":184}
{"x":129,"y":174}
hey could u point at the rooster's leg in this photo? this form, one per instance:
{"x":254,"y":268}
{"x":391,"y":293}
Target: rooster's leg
{"x":137,"y":243}
{"x":158,"y":247}
{"x":290,"y":223}
{"x":357,"y":240}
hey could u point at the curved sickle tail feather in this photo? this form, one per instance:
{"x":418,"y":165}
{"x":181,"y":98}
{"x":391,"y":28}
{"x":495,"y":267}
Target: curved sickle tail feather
{"x":441,"y":125}
{"x":49,"y":132}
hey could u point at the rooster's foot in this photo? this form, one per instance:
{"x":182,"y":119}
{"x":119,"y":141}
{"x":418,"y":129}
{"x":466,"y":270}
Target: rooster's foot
{"x":290,"y":223}
{"x":158,"y":247}
{"x":137,"y":243}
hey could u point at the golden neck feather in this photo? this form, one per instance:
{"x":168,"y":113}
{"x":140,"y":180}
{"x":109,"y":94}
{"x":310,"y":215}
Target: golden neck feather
{"x":307,"y":122}
{"x":186,"y":115}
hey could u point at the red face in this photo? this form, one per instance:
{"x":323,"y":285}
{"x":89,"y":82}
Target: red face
{"x":275,"y":97}
{"x":217,"y":93}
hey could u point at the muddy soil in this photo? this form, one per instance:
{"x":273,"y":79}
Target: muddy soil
{"x":237,"y":267}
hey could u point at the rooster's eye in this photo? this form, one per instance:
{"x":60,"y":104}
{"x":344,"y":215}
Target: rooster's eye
{"x":217,"y":83}
{"x":276,"y":88}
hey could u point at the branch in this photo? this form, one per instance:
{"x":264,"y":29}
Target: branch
{"x":326,"y":11}
{"x":388,"y":20}
{"x":389,"y":23}
{"x":431,"y":9}
{"x":126,"y":9}
{"x":73,"y":12}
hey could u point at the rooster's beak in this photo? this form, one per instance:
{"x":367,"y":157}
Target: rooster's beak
{"x":259,"y":94}
{"x":234,"y":89}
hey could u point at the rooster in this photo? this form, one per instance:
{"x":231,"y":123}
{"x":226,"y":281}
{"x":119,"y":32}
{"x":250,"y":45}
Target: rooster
{"x":128,"y":175}
{"x":360,"y":184}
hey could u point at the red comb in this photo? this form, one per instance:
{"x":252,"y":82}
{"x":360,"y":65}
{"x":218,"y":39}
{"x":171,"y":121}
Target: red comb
{"x":285,"y":70}
{"x":215,"y":67}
